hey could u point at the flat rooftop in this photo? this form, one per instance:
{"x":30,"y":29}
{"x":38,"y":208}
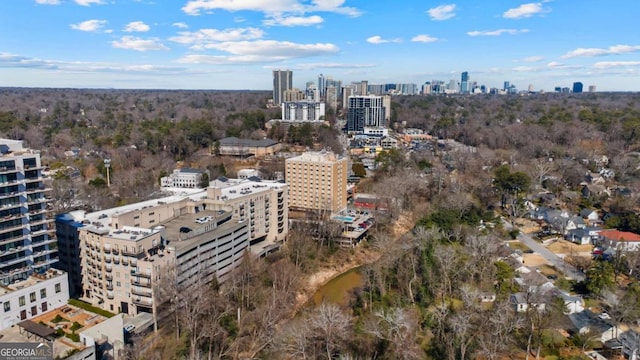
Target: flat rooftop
{"x":235,"y":188}
{"x":31,"y":280}
{"x":180,"y":240}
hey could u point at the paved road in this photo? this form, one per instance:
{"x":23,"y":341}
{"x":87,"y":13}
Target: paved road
{"x":569,"y":270}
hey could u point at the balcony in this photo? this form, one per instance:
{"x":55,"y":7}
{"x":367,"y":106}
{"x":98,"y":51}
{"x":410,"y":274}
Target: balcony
{"x":39,"y":200}
{"x":107,"y":259}
{"x":11,"y":206}
{"x":109,"y":286}
{"x":12,"y":239}
{"x":8,"y":170}
{"x":143,"y":301}
{"x":115,"y":251}
{"x":43,"y":231}
{"x":108,"y":276}
{"x":34,"y":190}
{"x":116,"y":260}
{"x":45,"y":263}
{"x":134,"y":262}
{"x":144,"y":283}
{"x":17,"y":260}
{"x":141,"y":274}
{"x":44,"y":252}
{"x":44,"y":242}
{"x":108,"y":268}
{"x":125,"y":261}
{"x":12,"y":228}
{"x":40,"y":221}
{"x":38,"y":211}
{"x":10,"y":251}
{"x":109,"y":294}
{"x":142,"y":292}
{"x":132,"y":252}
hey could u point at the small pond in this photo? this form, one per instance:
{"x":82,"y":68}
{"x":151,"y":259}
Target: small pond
{"x":338,"y":290}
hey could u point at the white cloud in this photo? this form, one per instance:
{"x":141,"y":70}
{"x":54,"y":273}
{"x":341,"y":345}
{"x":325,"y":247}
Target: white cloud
{"x":260,"y":51}
{"x":201,"y":38}
{"x":377,"y":39}
{"x":48,"y":2}
{"x":559,"y":65}
{"x":89,"y":25}
{"x":442,"y":12}
{"x":294,"y":21}
{"x":136,"y":26}
{"x":271,"y":7}
{"x":312,"y":66}
{"x":532,"y":59}
{"x":89,"y":2}
{"x":497,"y":32}
{"x":524,"y":11}
{"x":424,"y":38}
{"x":138,"y":44}
{"x":180,"y":25}
{"x":615,"y":64}
{"x":612,"y":50}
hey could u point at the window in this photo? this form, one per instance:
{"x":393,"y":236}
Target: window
{"x":32,"y":297}
{"x":7,"y":306}
{"x":43,"y":293}
{"x":58,"y":288}
{"x":118,"y":283}
{"x":22,"y":301}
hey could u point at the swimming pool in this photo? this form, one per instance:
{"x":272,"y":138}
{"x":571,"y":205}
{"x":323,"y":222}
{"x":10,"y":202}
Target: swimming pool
{"x":347,"y":219}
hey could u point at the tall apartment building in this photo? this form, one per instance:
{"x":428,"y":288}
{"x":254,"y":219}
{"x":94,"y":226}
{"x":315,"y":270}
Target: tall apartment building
{"x":331,"y":97}
{"x":27,"y":249}
{"x":123,"y":267}
{"x":347,"y":92}
{"x":321,"y":85}
{"x":260,"y":205}
{"x":282,"y":81}
{"x":305,"y":110}
{"x":365,"y":111}
{"x":294,"y":94}
{"x":263,"y":204}
{"x":25,"y":243}
{"x":317,"y":181}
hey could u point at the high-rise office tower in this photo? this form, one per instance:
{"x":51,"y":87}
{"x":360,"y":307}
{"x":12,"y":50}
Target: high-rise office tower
{"x":317,"y":181}
{"x":464,"y":83}
{"x":331,"y":97}
{"x":592,"y":88}
{"x":322,"y":85}
{"x":577,"y":87}
{"x":365,"y":111}
{"x":282,"y":81}
{"x":506,"y":86}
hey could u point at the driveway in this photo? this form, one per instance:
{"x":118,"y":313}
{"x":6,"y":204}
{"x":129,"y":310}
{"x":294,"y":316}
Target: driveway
{"x":569,"y":270}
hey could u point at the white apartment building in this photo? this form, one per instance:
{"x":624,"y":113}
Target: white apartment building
{"x":37,"y":294}
{"x":184,"y":178}
{"x":303,"y":111}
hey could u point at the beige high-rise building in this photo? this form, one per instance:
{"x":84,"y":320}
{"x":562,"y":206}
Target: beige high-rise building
{"x":317,"y":181}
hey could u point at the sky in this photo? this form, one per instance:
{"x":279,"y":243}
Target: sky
{"x":235,"y":44}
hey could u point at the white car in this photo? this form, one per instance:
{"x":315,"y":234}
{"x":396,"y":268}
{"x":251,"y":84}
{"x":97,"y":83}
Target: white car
{"x":129,"y":328}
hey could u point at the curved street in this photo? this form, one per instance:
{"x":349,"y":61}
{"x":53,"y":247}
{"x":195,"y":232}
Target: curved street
{"x":567,"y":269}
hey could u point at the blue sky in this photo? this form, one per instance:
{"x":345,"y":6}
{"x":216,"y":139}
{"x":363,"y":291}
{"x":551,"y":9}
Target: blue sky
{"x":234,"y":44}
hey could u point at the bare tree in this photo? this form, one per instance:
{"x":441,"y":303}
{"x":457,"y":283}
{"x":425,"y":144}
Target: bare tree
{"x":331,"y":325}
{"x":398,"y":327}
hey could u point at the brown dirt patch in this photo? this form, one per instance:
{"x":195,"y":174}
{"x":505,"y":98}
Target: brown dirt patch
{"x":533,"y":260}
{"x":568,"y":248}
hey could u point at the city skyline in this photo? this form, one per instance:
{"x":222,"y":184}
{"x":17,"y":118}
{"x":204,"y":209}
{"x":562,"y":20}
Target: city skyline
{"x":226,"y":44}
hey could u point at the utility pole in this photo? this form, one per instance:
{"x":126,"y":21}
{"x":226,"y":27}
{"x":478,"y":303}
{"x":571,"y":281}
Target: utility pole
{"x":107,"y":165}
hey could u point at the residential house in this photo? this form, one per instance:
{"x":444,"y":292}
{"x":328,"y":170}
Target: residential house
{"x":578,"y":236}
{"x":573,"y":303}
{"x":521,"y":302}
{"x":611,"y":238}
{"x":590,"y":215}
{"x":586,"y":322}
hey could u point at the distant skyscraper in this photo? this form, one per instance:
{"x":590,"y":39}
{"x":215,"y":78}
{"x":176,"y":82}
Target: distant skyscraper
{"x":322,"y":86}
{"x":530,"y":88}
{"x":282,"y":81}
{"x":577,"y":87}
{"x":331,"y":97}
{"x":507,"y":85}
{"x":592,"y":88}
{"x":464,"y":83}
